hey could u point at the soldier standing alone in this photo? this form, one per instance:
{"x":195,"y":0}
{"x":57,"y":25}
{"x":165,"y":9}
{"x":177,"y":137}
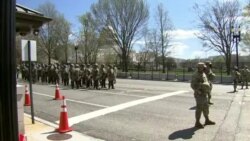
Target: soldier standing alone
{"x":201,"y":87}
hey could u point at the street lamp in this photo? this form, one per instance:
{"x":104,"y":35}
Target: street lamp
{"x":76,"y":47}
{"x":236,"y":38}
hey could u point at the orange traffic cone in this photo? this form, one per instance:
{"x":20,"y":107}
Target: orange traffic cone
{"x":27,"y":97}
{"x":57,"y":93}
{"x":64,"y":125}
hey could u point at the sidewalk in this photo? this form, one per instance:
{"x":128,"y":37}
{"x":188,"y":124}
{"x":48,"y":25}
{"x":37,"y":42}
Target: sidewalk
{"x":45,"y":131}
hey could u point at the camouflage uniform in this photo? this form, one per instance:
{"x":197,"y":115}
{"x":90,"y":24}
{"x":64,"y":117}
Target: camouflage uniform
{"x":111,"y":76}
{"x":201,"y":87}
{"x":244,"y":77}
{"x":210,"y":77}
{"x":77,"y":76}
{"x":82,"y":75}
{"x":115,"y":74}
{"x":72,"y":75}
{"x":103,"y":76}
{"x":65,"y":75}
{"x":95,"y":76}
{"x":88,"y":76}
{"x":236,"y":77}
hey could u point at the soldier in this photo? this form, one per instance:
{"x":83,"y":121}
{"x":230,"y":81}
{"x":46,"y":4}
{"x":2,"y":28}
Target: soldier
{"x":111,"y":76}
{"x":236,"y":77}
{"x":72,"y":76}
{"x":201,"y":87}
{"x":44,"y":73}
{"x":95,"y":76}
{"x":57,"y":74}
{"x":88,"y":76}
{"x":65,"y":75}
{"x":77,"y":76}
{"x":244,"y":77}
{"x":82,"y":75}
{"x":210,"y":77}
{"x":103,"y":76}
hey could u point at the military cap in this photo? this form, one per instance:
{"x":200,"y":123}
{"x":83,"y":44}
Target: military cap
{"x":235,"y":67}
{"x":208,"y":63}
{"x":201,"y":65}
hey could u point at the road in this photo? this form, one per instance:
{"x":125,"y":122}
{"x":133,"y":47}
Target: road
{"x":139,"y":110}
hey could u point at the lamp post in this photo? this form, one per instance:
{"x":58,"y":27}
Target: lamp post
{"x":76,"y":48}
{"x":236,"y":39}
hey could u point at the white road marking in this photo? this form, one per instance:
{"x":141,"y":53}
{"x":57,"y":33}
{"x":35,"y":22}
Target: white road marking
{"x":84,"y":117}
{"x":76,"y":101}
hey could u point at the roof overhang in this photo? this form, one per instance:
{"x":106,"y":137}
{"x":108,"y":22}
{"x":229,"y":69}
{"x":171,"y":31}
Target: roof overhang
{"x":28,"y":20}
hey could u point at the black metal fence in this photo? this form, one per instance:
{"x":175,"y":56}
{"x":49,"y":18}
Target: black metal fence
{"x":174,"y":72}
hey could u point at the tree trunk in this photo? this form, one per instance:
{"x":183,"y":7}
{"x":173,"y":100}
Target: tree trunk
{"x":228,"y":63}
{"x":66,"y":53}
{"x":49,"y":58}
{"x":163,"y":64}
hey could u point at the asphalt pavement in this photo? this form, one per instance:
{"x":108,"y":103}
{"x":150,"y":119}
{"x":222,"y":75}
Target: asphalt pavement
{"x":140,"y":110}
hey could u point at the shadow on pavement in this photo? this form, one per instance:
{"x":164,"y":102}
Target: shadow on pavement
{"x":231,"y":92}
{"x":183,"y":134}
{"x":192,"y":108}
{"x":59,"y":137}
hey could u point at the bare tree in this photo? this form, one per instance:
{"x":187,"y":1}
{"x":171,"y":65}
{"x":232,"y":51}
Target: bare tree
{"x":165,"y":26}
{"x":89,"y":38}
{"x":47,"y":38}
{"x":216,"y":20}
{"x":124,"y":18}
{"x":154,"y":46}
{"x":62,"y":32}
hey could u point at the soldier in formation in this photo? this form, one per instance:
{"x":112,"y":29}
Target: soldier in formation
{"x":202,"y":88}
{"x":111,"y":77}
{"x":78,"y":76}
{"x":244,"y":77}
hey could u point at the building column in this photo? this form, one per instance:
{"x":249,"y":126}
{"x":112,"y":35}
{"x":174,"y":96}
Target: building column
{"x":8,"y":96}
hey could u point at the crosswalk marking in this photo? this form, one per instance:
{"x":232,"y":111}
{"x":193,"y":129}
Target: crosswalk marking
{"x":91,"y":115}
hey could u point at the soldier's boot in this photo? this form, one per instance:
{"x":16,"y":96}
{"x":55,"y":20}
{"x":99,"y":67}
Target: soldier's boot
{"x":198,"y":125}
{"x":209,"y":122}
{"x":210,"y":103}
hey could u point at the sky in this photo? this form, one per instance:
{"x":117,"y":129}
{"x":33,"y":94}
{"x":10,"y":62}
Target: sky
{"x":185,"y":43}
